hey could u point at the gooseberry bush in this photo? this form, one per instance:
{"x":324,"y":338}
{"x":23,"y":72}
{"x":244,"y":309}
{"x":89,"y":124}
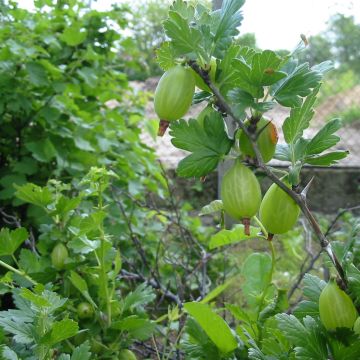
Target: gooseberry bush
{"x":99,"y":258}
{"x":239,"y":86}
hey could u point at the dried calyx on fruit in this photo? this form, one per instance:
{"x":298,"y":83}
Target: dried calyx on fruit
{"x":336,"y":308}
{"x":278,"y":211}
{"x":173,"y":95}
{"x":241,"y":193}
{"x":267,"y":138}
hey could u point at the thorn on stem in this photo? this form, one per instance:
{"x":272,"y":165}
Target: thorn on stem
{"x":306,"y":188}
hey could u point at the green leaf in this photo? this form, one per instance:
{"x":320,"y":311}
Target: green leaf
{"x":227,"y":74}
{"x":33,"y":194}
{"x":198,"y":164}
{"x":165,"y":56}
{"x":39,"y":267}
{"x":23,"y":333}
{"x":305,"y":308}
{"x":73,"y":35}
{"x":11,"y":240}
{"x":8,"y":354}
{"x":92,"y":222}
{"x":217,"y":291}
{"x":184,"y":38}
{"x":353,"y":274}
{"x":283,"y":152}
{"x":140,"y":297}
{"x":262,"y":71}
{"x":296,"y":85}
{"x":324,"y":67}
{"x":342,"y":352}
{"x":313,"y":287}
{"x":64,"y":205}
{"x":26,"y":165}
{"x":324,"y":139}
{"x":242,"y":78}
{"x":236,"y":234}
{"x":209,"y":144}
{"x":264,"y":66}
{"x":225,"y":24}
{"x":278,"y":305}
{"x":35,"y":299}
{"x":88,"y":74}
{"x":42,"y":150}
{"x":37,"y":74}
{"x":308,"y":338}
{"x":82,"y":352}
{"x":62,"y":330}
{"x":256,"y":270}
{"x":184,"y":9}
{"x":214,"y":326}
{"x":83,"y":245}
{"x":198,"y":345}
{"x":82,"y":286}
{"x":328,"y":159}
{"x":214,"y":206}
{"x":299,"y":118}
{"x":9,"y":182}
{"x":138,"y":328}
{"x":243,"y":100}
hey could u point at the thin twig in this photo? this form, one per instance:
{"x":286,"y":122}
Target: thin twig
{"x":304,"y":270}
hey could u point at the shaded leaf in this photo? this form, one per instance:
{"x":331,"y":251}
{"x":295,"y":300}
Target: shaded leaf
{"x":214,"y":326}
{"x":236,"y":234}
{"x":10,"y":240}
{"x":214,"y":206}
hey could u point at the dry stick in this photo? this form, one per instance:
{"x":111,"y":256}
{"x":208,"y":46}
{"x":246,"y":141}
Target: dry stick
{"x":298,"y":198}
{"x":154,"y":281}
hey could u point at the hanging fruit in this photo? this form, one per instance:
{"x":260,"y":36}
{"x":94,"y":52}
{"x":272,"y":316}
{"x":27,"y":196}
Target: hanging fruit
{"x":278,"y":211}
{"x":336,"y":308}
{"x":266,"y":141}
{"x":241,"y":194}
{"x":173,"y":95}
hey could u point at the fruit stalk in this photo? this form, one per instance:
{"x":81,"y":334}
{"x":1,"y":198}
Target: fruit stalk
{"x":298,"y":198}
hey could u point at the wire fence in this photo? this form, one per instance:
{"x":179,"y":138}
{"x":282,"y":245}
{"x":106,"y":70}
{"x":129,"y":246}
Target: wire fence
{"x":346,"y":106}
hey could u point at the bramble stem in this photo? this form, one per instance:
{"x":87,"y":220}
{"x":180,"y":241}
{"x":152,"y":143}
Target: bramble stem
{"x":300,"y":200}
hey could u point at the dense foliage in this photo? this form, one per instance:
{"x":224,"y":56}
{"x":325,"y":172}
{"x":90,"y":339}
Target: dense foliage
{"x":99,"y":258}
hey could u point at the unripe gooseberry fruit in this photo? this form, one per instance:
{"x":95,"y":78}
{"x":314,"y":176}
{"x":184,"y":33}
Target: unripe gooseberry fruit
{"x":241,"y":194}
{"x":199,"y":82}
{"x":336,"y":308}
{"x":59,"y":255}
{"x":357,"y":326}
{"x":173,"y":95}
{"x":127,"y":355}
{"x":278,"y":211}
{"x":266,"y":141}
{"x":85,"y":310}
